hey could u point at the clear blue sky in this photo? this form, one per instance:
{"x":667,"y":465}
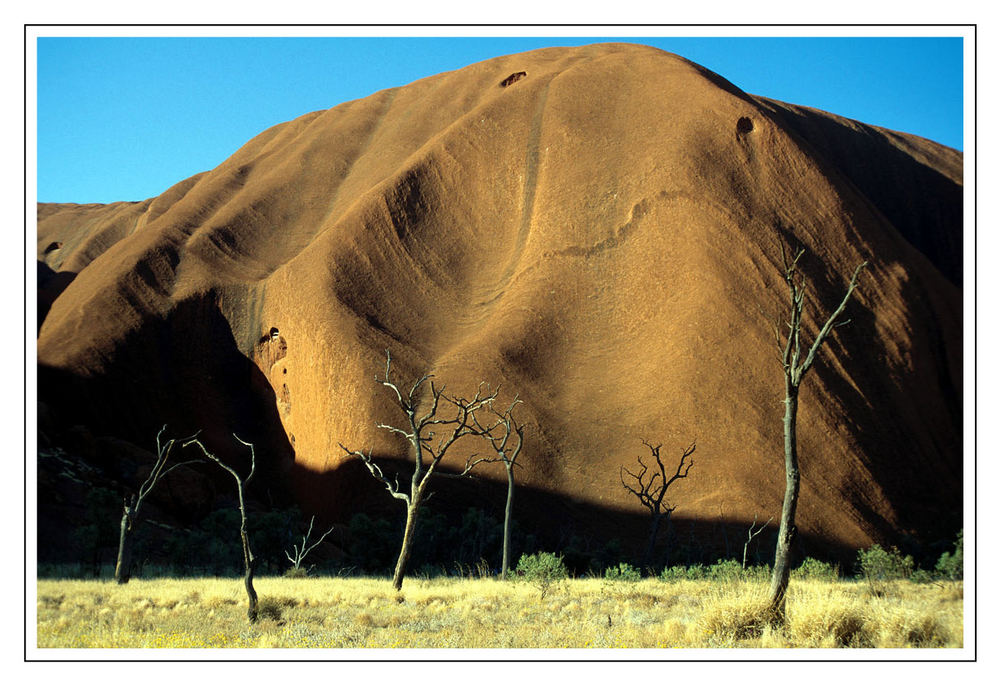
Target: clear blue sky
{"x":126,"y":118}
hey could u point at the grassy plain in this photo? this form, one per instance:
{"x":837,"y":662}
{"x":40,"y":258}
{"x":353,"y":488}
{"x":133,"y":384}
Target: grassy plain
{"x":487,"y":613}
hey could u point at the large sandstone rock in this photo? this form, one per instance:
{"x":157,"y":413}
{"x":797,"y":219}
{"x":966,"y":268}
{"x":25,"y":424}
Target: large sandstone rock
{"x":600,"y":236}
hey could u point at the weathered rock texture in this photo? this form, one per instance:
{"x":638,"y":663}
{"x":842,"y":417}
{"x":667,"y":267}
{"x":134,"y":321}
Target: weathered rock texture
{"x":600,"y":235}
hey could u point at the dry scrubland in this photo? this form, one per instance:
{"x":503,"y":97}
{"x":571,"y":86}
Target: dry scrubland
{"x":485,"y":613}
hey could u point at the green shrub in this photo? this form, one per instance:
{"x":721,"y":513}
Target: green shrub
{"x":543,"y":570}
{"x":757,"y":573}
{"x":696,"y":572}
{"x":814,"y":569}
{"x":673,"y":573}
{"x":692,"y":572}
{"x":622,"y":572}
{"x":951,"y":565}
{"x":879,"y":566}
{"x":725,"y":569}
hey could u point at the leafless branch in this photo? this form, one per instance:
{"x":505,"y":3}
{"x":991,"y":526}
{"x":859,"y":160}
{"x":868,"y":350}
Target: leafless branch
{"x":751,"y":534}
{"x":305,"y":548}
{"x":430,"y":435}
{"x":828,"y":326}
{"x":650,"y":493}
{"x":391,"y":485}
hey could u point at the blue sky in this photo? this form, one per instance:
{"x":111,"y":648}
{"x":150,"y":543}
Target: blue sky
{"x":126,"y":118}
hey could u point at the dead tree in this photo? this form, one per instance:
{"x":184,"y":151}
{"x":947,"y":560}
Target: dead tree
{"x":499,"y":435}
{"x":795,"y":368}
{"x":132,"y":505}
{"x":249,"y":561}
{"x":419,"y":433}
{"x":751,"y":534}
{"x":651,"y":489}
{"x":300,"y":552}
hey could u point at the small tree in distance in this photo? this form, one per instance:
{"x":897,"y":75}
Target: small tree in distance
{"x":249,"y":561}
{"x":499,"y":436}
{"x":301,"y":551}
{"x":751,"y":534}
{"x":651,"y":489}
{"x":427,"y":455}
{"x":131,"y":506}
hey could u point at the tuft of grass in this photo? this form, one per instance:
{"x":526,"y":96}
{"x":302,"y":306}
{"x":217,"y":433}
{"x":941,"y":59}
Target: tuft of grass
{"x":838,"y":623}
{"x":734,"y":615}
{"x":269,"y":608}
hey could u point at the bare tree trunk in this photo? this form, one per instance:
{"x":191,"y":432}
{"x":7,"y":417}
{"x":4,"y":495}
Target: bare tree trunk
{"x":654,"y":527}
{"x":404,"y":550}
{"x":651,"y":493}
{"x":249,"y":563}
{"x":795,"y":370}
{"x":426,"y":456}
{"x":666,"y":551}
{"x":786,"y":529}
{"x":131,"y":507}
{"x":123,"y":567}
{"x":507,"y":513}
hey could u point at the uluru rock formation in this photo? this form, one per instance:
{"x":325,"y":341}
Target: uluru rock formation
{"x":596,"y":229}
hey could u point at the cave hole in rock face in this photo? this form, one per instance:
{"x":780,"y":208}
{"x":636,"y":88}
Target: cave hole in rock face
{"x":273,"y":334}
{"x":743,"y":126}
{"x":53,"y":247}
{"x":513,"y":78}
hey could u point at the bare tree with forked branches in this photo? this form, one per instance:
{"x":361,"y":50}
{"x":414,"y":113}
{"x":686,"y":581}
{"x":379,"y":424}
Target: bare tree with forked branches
{"x":132,"y":505}
{"x":299,"y":552}
{"x":420,"y":431}
{"x":753,"y":532}
{"x":506,"y":438}
{"x":249,"y":561}
{"x":795,"y":368}
{"x":650,"y":488}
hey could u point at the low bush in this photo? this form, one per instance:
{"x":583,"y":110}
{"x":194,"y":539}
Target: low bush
{"x":880,"y":566}
{"x":814,"y":569}
{"x":950,"y":565}
{"x":757,"y":574}
{"x":696,"y":572}
{"x":674,"y":573}
{"x":622,"y":572}
{"x":725,"y":569}
{"x":543,"y":570}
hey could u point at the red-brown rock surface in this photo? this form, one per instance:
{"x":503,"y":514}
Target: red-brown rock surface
{"x":600,"y":236}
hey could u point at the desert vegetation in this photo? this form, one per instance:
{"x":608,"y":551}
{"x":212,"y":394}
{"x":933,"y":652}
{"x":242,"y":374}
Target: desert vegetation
{"x":883,"y":601}
{"x":888,"y":601}
{"x":620,"y":610}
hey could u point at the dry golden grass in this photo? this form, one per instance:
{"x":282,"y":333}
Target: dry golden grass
{"x":441,"y":613}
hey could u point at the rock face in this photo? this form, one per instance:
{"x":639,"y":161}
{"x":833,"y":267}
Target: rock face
{"x":599,"y":235}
